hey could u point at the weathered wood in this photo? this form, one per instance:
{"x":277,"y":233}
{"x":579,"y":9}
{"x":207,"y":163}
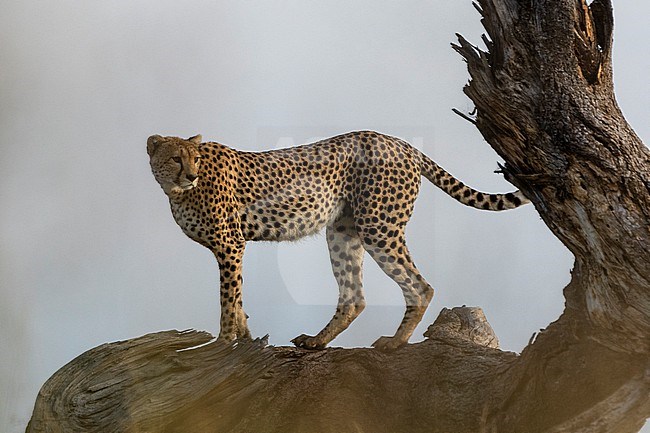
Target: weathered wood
{"x":545,"y":102}
{"x":184,"y":381}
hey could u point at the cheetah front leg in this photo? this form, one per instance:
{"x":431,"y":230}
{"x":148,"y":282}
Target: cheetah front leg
{"x":346,"y":256}
{"x":229,"y":255}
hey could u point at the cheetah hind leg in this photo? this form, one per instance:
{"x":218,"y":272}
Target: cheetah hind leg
{"x":397,"y":264}
{"x":346,"y":256}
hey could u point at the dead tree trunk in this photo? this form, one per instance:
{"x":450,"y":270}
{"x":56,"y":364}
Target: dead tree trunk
{"x":545,"y":102}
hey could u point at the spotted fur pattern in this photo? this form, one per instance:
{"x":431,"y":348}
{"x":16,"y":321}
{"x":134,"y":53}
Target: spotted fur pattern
{"x":359,"y":186}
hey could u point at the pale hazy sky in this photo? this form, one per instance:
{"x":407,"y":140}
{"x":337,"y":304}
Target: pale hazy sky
{"x":90,"y":252}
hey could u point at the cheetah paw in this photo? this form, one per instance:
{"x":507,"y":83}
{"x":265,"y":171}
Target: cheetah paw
{"x":388,"y":343}
{"x":308,"y":342}
{"x":245,"y":335}
{"x":227,"y":339}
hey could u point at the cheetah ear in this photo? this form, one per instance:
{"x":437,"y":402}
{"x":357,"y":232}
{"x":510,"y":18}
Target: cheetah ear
{"x":152,"y":143}
{"x":196,"y":139}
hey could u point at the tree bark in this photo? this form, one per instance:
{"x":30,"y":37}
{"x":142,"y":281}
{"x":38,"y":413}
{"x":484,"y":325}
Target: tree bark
{"x":545,"y":102}
{"x":186,"y":382}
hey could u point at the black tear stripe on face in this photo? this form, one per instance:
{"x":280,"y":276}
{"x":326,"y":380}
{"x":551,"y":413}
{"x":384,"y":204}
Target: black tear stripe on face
{"x":180,"y":172}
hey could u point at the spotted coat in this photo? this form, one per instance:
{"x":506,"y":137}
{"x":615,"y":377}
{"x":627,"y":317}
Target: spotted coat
{"x":359,"y":186}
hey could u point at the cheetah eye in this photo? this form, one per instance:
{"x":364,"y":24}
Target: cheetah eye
{"x":177,"y":159}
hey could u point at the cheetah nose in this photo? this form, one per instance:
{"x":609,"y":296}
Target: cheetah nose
{"x":191,"y":177}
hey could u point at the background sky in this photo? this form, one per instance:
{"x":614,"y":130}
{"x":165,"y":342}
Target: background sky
{"x":89,"y":250}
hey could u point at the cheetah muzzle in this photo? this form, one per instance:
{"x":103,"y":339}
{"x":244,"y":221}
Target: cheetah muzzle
{"x":359,"y":186}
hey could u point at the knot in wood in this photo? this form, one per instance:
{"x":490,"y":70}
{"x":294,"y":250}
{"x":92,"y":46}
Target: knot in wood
{"x":465,"y":323}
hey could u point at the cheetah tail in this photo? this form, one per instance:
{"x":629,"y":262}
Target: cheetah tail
{"x":467,"y":195}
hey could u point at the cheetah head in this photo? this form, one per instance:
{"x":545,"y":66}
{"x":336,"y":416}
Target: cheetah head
{"x":175,"y":162}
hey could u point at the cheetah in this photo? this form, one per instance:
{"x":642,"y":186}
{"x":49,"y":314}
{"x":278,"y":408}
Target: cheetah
{"x":359,"y":186}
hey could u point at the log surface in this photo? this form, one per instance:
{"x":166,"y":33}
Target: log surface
{"x":185,"y":381}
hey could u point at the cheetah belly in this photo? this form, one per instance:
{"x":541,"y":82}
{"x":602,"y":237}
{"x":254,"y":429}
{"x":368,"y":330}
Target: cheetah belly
{"x":288,"y":217}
